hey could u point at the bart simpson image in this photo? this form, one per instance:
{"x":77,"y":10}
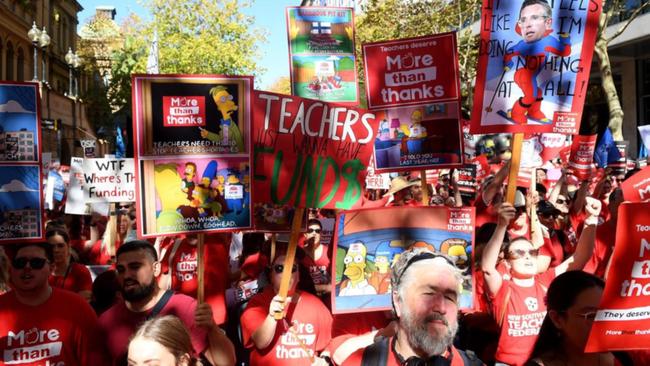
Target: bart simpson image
{"x":229,"y":135}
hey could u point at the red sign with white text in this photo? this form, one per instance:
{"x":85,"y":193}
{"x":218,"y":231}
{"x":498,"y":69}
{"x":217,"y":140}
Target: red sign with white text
{"x":309,"y":153}
{"x":637,"y":187}
{"x":582,"y":155}
{"x":183,"y":111}
{"x":412,"y":71}
{"x":623,"y":318}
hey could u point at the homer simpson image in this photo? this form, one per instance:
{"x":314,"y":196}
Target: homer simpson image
{"x":229,"y":135}
{"x":355,"y":265}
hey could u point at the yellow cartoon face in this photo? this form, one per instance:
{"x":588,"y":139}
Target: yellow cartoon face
{"x":355,"y":262}
{"x":416,"y":116}
{"x":232,"y":179}
{"x":167,"y":180}
{"x":225,"y":103}
{"x":382,"y":263}
{"x":190,"y":172}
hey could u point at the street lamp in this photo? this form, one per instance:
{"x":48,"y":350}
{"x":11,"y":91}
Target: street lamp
{"x":73,"y":60}
{"x":44,"y":41}
{"x":34,"y":35}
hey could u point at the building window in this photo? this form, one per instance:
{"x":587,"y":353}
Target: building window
{"x":9,"y":74}
{"x":21,"y":65}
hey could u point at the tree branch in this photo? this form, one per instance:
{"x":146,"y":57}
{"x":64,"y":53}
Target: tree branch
{"x":633,"y":16}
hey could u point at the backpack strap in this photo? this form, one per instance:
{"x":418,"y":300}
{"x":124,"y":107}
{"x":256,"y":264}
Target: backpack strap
{"x":469,"y":357}
{"x":376,"y":354}
{"x":160,"y":304}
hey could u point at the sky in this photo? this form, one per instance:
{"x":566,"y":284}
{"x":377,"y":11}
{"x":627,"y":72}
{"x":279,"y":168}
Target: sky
{"x":269,"y":15}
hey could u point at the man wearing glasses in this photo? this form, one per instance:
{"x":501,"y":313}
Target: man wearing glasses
{"x":425,"y":291}
{"x":518,"y":297}
{"x":42,"y":325}
{"x":534,"y":26}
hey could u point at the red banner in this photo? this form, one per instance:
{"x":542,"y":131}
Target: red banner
{"x":534,"y":80}
{"x":637,"y":187}
{"x":309,"y":153}
{"x":623,"y":318}
{"x":412,"y":71}
{"x":582,"y":155}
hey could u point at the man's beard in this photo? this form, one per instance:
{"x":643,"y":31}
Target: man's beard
{"x":422,"y":339}
{"x":139,"y":292}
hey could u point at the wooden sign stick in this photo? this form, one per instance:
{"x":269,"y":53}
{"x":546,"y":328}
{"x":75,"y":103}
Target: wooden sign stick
{"x":425,"y":187}
{"x":289,"y":258}
{"x":200,"y":270}
{"x":274,"y":239}
{"x":514,"y":167}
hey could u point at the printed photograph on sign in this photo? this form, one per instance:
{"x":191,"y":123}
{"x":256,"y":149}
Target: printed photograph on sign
{"x":422,"y":137}
{"x":272,"y":218}
{"x":367,"y":245}
{"x":326,"y":78}
{"x":318,"y":30}
{"x":534,"y":61}
{"x":19,"y":122}
{"x":191,"y":115}
{"x":21,"y":204}
{"x":194,"y":195}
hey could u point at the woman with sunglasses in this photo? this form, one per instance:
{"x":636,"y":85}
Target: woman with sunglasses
{"x":517,"y":297}
{"x":299,"y":336}
{"x":67,"y":274}
{"x":572,"y":301}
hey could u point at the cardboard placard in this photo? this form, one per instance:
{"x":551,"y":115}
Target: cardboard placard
{"x":366,"y":244}
{"x":321,"y":53}
{"x":21,"y":203}
{"x":108,"y":180}
{"x":582,"y":156}
{"x":310,"y":154}
{"x":637,"y":187}
{"x":623,"y":316}
{"x":20,"y":123}
{"x":533,"y":71}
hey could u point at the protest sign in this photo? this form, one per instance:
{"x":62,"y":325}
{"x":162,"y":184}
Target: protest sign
{"x":272,"y":218}
{"x":623,"y":316}
{"x":582,"y":156}
{"x":108,"y":180}
{"x":75,"y":203}
{"x":552,"y":144}
{"x":637,"y":187}
{"x":533,"y":70}
{"x":618,"y":164}
{"x":21,"y":203}
{"x":413,"y":71}
{"x":192,"y":153}
{"x":321,"y":52}
{"x":88,"y":147}
{"x":376,"y":180}
{"x":644,"y":131}
{"x":309,"y":153}
{"x":20,"y":118}
{"x":467,"y":181}
{"x":419,"y":137}
{"x":366,"y":244}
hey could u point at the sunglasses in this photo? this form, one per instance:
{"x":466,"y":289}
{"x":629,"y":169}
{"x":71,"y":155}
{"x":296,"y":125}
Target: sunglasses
{"x":279,"y":268}
{"x":34,"y":263}
{"x":521,"y":253}
{"x":549,"y":215}
{"x":317,"y":231}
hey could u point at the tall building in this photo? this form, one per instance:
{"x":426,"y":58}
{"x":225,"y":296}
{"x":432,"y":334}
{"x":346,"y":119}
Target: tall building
{"x":59,"y":20}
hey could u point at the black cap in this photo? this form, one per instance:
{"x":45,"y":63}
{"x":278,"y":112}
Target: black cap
{"x":545,"y":208}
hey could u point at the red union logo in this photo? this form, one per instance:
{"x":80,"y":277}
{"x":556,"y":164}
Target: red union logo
{"x":183,"y":111}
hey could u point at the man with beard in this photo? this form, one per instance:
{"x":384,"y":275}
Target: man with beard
{"x":425,"y":293}
{"x":137,"y":266}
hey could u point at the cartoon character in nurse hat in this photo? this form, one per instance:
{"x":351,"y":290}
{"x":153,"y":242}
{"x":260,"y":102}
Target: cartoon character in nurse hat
{"x":355,"y":265}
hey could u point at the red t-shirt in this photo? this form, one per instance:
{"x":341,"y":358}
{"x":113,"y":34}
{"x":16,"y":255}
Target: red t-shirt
{"x":346,"y":326}
{"x":61,"y":331}
{"x":76,"y":279}
{"x":309,"y":318}
{"x":254,"y":265}
{"x":318,"y":267}
{"x":98,"y":255}
{"x":356,"y":359}
{"x":119,"y":323}
{"x":524,"y":314}
{"x":484,"y":213}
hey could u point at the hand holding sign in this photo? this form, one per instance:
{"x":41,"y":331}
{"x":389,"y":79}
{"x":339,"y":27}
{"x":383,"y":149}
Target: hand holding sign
{"x":506,"y":213}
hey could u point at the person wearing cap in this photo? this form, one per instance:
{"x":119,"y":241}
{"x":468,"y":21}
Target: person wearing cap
{"x":517,"y":298}
{"x":401,"y":192}
{"x":425,"y":293}
{"x":551,"y":254}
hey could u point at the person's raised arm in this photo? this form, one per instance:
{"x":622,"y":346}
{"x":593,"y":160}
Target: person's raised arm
{"x":220,"y":351}
{"x":454,"y":184}
{"x":490,"y":257}
{"x":585,"y":247}
{"x":557,"y":188}
{"x":580,"y":197}
{"x":263,"y":336}
{"x":494,"y":186}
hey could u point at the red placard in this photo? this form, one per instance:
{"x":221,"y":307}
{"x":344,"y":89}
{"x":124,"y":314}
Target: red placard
{"x":411,"y":71}
{"x":637,"y":187}
{"x":582,"y":155}
{"x":534,"y":80}
{"x":309,"y":153}
{"x":183,"y":111}
{"x":623,"y":318}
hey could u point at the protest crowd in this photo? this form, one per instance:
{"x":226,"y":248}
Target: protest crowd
{"x":269,"y":229}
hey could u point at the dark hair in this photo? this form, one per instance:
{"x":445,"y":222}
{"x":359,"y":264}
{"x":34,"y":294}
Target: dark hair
{"x":60,"y":231}
{"x":104,"y":291}
{"x":135,"y":245}
{"x":539,"y":187}
{"x":47,"y":248}
{"x":561,"y":295}
{"x":543,"y":3}
{"x":170,"y":332}
{"x":505,"y":247}
{"x":314,"y":222}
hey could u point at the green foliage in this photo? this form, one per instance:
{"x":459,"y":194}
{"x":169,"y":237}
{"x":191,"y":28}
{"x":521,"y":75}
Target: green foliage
{"x":282,"y":86}
{"x":395,"y":19}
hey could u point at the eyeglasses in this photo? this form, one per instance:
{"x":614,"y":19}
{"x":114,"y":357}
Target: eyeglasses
{"x":34,"y":263}
{"x":521,"y":253}
{"x":317,"y":231}
{"x":279,"y":268}
{"x":532,"y":19}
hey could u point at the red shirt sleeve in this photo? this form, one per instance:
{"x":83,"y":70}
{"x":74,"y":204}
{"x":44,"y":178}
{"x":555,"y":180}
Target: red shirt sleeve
{"x":252,"y":318}
{"x":82,"y":277}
